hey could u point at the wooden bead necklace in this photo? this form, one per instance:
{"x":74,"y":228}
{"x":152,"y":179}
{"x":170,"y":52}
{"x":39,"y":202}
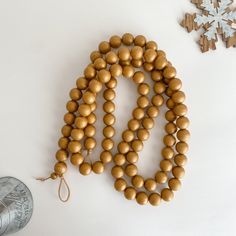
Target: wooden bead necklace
{"x":109,"y":62}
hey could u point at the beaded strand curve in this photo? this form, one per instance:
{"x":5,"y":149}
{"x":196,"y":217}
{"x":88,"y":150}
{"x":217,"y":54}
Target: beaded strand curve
{"x":124,"y":56}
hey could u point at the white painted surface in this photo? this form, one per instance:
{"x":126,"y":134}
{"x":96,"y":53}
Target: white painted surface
{"x":44,"y":46}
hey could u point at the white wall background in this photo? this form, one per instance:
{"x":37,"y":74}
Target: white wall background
{"x":44,"y":46}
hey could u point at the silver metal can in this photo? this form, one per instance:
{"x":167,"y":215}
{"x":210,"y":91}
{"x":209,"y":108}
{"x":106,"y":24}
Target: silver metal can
{"x":16,"y":205}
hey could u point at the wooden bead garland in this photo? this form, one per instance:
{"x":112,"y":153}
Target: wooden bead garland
{"x":113,"y":59}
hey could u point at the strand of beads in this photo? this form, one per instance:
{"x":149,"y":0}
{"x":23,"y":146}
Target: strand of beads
{"x":107,"y":64}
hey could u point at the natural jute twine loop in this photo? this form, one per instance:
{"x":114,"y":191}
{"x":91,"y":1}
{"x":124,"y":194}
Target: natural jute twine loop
{"x":128,"y":56}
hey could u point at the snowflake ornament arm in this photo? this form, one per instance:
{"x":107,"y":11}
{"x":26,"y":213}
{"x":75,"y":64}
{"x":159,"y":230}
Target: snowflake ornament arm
{"x":216,"y":19}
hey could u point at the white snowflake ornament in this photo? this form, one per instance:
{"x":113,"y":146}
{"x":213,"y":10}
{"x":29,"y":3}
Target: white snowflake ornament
{"x":216,"y":19}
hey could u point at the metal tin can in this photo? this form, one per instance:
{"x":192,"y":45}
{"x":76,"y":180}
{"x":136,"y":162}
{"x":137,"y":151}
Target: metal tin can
{"x":16,"y":205}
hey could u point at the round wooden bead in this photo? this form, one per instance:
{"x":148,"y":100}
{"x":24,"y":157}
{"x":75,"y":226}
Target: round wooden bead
{"x":128,"y":136}
{"x":127,"y":39}
{"x":108,"y":132}
{"x":130,"y":193}
{"x":104,"y":76}
{"x":89,"y":143}
{"x":131,"y":170}
{"x":142,"y":198}
{"x":143,"y":101}
{"x":182,"y":122}
{"x":169,"y":140}
{"x":148,"y":123}
{"x":116,"y":71}
{"x":69,"y":118}
{"x":151,"y":45}
{"x":157,"y":100}
{"x":104,"y":47}
{"x":120,"y":185}
{"x":74,"y":146}
{"x":109,"y":119}
{"x":123,"y":147}
{"x":107,"y":144}
{"x":90,"y":131}
{"x":85,"y":168}
{"x":167,"y":194}
{"x":66,"y":130}
{"x":161,"y":177}
{"x":75,"y":94}
{"x":150,"y":55}
{"x":180,"y":160}
{"x":109,"y":94}
{"x":106,"y":156}
{"x":91,"y":118}
{"x":76,"y":159}
{"x":109,"y":107}
{"x":98,"y":167}
{"x":167,"y":153}
{"x":166,"y":165}
{"x":182,"y":147}
{"x":63,"y":142}
{"x":111,"y":58}
{"x":178,"y":172}
{"x":160,"y":63}
{"x":137,"y":145}
{"x":143,"y":89}
{"x":150,"y":184}
{"x":170,"y":128}
{"x":81,"y":122}
{"x":115,"y":41}
{"x":117,"y":172}
{"x":119,"y":159}
{"x":133,"y":124}
{"x":153,"y":111}
{"x":174,"y":184}
{"x":143,"y":134}
{"x":175,"y":84}
{"x":95,"y":86}
{"x":132,"y":157}
{"x":137,"y":181}
{"x":84,"y":110}
{"x":128,"y":71}
{"x":61,"y":155}
{"x":178,"y":97}
{"x":89,"y":72}
{"x":169,"y":72}
{"x":94,"y":55}
{"x":154,"y":199}
{"x":136,"y":53}
{"x":156,"y":75}
{"x":100,"y":63}
{"x":82,"y":83}
{"x":183,"y":135}
{"x":138,"y":77}
{"x":159,"y":87}
{"x":124,"y":54}
{"x":72,"y":106}
{"x":88,"y":97}
{"x":140,"y":40}
{"x":138,"y":113}
{"x":60,"y":168}
{"x":180,"y":110}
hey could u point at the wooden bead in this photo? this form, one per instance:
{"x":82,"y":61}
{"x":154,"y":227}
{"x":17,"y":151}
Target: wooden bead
{"x":128,"y":71}
{"x":154,"y":199}
{"x":138,"y":77}
{"x":94,"y":55}
{"x":104,"y":76}
{"x":143,"y":101}
{"x":88,"y":97}
{"x":93,"y":106}
{"x":95,"y":86}
{"x":137,"y":181}
{"x":75,"y":94}
{"x":106,"y":157}
{"x":167,"y":153}
{"x":166,"y":165}
{"x":69,"y":118}
{"x":128,"y":136}
{"x":137,"y":145}
{"x":104,"y":47}
{"x":143,"y":134}
{"x":60,"y":168}
{"x":182,"y":147}
{"x":143,"y":89}
{"x":100,"y":63}
{"x":131,"y":170}
{"x":169,"y":72}
{"x":178,"y":97}
{"x":117,"y":172}
{"x":74,"y":146}
{"x":167,"y":194}
{"x":85,"y":168}
{"x":66,"y":130}
{"x":180,"y":160}
{"x":180,"y":110}
{"x":116,"y":71}
{"x":111,"y":58}
{"x":148,"y":123}
{"x":120,"y":185}
{"x":159,"y":88}
{"x":150,"y":185}
{"x":132,"y":157}
{"x":133,"y":124}
{"x":109,"y":119}
{"x":90,"y":143}
{"x":157,"y":100}
{"x":136,"y":53}
{"x":119,"y":159}
{"x":91,"y":118}
{"x":89,"y":72}
{"x":98,"y":167}
{"x":178,"y":172}
{"x":169,"y":140}
{"x":150,"y":55}
{"x":151,"y":45}
{"x":153,"y":111}
{"x":115,"y":41}
{"x":183,"y":135}
{"x":84,"y":110}
{"x":138,"y":113}
{"x":82,"y":83}
{"x":170,"y":103}
{"x":160,"y":63}
{"x":182,"y":122}
{"x":109,"y":94}
{"x":108,"y":132}
{"x":175,"y":84}
{"x":124,"y":54}
{"x":170,"y":116}
{"x":63,"y":142}
{"x":148,"y":67}
{"x":160,"y":53}
{"x":127,"y":39}
{"x":81,"y":122}
{"x":161,"y":177}
{"x":142,"y":198}
{"x":137,"y":63}
{"x":109,"y":107}
{"x":90,"y":131}
{"x":61,"y":155}
{"x":107,"y":144}
{"x":140,"y":40}
{"x":156,"y":75}
{"x":72,"y":106}
{"x":123,"y":147}
{"x":174,"y":184}
{"x":130,"y":193}
{"x":77,"y":159}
